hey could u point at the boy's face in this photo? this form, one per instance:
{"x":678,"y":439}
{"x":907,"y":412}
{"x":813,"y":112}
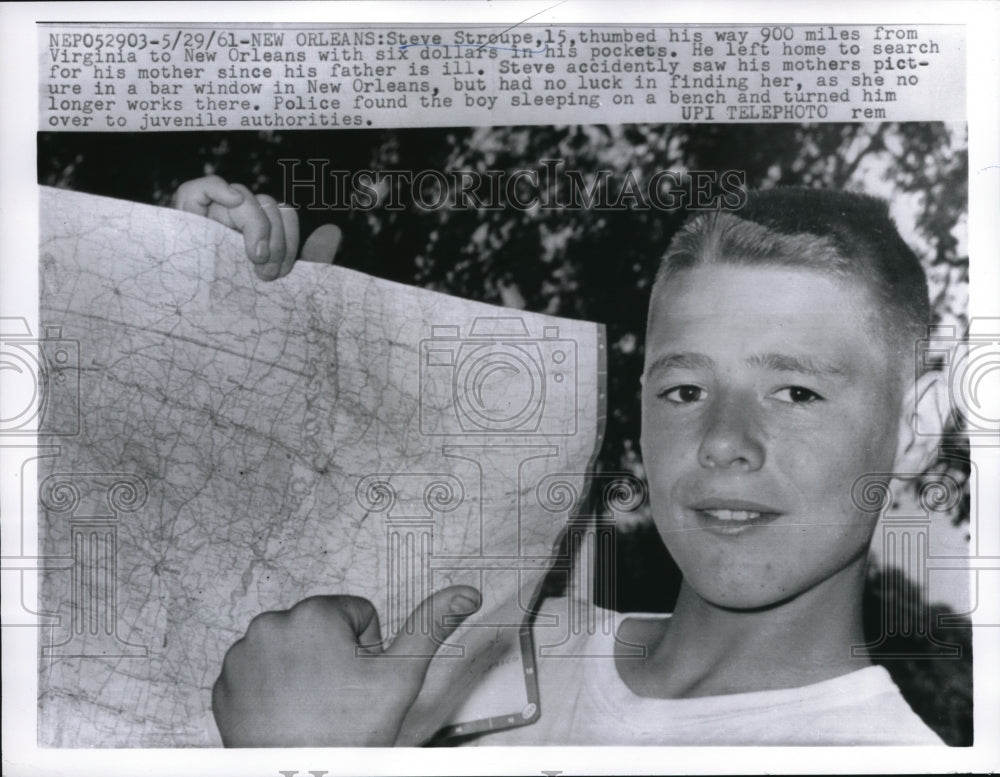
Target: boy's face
{"x":764,"y":398}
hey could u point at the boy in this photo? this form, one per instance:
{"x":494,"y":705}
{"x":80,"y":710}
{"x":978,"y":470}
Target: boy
{"x":778,"y":373}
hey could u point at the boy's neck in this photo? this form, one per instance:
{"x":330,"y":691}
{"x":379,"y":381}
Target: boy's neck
{"x":706,"y":650}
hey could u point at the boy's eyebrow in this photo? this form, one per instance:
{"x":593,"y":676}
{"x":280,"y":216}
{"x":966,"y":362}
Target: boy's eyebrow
{"x":680,"y":361}
{"x":779,"y":362}
{"x":808,"y":365}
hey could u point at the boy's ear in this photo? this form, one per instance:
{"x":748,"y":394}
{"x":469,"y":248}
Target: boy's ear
{"x":922,"y":418}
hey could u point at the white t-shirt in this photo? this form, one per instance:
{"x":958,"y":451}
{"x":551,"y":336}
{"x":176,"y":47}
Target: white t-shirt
{"x":584,"y":701}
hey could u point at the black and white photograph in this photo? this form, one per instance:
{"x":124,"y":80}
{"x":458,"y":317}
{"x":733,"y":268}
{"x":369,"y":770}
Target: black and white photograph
{"x":549,"y":380}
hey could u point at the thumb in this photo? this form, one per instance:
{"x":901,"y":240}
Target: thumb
{"x":321,"y":246}
{"x":433,"y":621}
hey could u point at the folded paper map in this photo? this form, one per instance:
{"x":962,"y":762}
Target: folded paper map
{"x":219,"y":446}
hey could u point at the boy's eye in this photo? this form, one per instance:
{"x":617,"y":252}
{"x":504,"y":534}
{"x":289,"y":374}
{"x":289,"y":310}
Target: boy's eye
{"x":797,"y":395}
{"x":683,"y":394}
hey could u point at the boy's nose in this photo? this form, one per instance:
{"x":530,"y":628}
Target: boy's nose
{"x":730,"y":439}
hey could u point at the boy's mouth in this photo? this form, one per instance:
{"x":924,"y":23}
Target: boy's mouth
{"x":732,"y":516}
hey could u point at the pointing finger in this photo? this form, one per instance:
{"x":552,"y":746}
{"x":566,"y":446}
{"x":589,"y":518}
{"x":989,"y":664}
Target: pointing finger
{"x":431,"y":623}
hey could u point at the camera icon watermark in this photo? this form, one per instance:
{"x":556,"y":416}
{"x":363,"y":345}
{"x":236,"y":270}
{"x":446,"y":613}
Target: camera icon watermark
{"x":499,"y":379}
{"x":41,"y":380}
{"x":972,"y":368}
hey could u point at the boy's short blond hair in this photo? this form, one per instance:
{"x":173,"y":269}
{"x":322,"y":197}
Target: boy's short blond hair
{"x":846,"y":235}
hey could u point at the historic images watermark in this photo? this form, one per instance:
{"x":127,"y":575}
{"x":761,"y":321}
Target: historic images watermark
{"x":314,"y":185}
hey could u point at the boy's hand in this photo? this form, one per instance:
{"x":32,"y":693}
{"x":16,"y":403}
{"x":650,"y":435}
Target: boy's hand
{"x":317,"y":676}
{"x":270,"y":233}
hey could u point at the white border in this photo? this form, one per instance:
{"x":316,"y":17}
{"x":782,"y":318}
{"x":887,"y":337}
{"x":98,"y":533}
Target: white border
{"x":18,"y":291}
